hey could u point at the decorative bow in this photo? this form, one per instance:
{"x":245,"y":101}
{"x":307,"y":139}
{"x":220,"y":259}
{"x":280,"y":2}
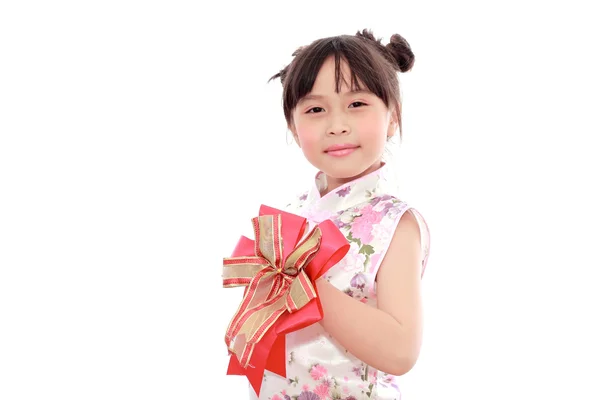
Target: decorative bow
{"x":274,"y":285}
{"x":278,"y":270}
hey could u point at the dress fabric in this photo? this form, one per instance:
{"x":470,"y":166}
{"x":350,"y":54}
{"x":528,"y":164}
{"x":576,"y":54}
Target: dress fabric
{"x":367,"y":214}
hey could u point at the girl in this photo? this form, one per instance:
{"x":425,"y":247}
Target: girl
{"x":341,"y":102}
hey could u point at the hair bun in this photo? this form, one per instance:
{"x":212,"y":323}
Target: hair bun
{"x":398,"y":51}
{"x":399,"y":48}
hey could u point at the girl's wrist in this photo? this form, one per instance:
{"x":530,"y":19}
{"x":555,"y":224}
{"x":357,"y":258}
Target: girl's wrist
{"x":320,"y":282}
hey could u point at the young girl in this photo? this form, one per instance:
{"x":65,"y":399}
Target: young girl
{"x":341,"y":101}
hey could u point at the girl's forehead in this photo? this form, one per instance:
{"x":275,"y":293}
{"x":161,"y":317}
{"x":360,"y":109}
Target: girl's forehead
{"x":326,"y":78}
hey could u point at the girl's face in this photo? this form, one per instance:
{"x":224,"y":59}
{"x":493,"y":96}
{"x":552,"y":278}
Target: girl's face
{"x":342,"y":134}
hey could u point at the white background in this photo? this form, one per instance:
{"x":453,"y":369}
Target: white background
{"x":138,"y":138}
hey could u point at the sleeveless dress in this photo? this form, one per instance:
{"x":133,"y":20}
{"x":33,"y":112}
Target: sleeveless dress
{"x":318,"y":367}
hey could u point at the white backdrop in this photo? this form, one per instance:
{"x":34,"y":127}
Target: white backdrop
{"x":138,"y":138}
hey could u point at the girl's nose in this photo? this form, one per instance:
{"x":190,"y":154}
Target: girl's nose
{"x":336,"y":132}
{"x":338,"y":127}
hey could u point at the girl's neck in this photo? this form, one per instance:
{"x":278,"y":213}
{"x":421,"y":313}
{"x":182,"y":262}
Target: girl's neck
{"x":334,"y":183}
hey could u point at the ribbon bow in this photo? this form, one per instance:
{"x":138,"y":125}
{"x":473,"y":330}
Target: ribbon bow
{"x":278,"y":270}
{"x":274,"y":285}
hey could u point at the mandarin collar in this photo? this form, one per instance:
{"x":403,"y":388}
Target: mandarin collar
{"x":360,"y":190}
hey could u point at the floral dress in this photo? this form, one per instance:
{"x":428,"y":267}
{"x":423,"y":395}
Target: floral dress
{"x":318,"y":367}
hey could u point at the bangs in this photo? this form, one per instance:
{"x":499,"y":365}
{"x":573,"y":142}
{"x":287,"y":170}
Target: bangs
{"x":368,"y":70}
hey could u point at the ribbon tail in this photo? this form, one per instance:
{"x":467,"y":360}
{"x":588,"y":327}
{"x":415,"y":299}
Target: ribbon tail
{"x":253,"y":297}
{"x":257,"y":332}
{"x":249,"y":328}
{"x":255,"y":375}
{"x":268,"y":354}
{"x":277,"y":355}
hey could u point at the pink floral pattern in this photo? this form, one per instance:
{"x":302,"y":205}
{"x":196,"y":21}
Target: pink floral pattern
{"x":364,"y":223}
{"x":318,"y":367}
{"x":317,"y":372}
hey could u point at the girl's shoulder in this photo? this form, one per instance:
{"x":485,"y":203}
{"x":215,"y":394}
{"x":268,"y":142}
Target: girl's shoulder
{"x":389,"y":210}
{"x":384,"y":204}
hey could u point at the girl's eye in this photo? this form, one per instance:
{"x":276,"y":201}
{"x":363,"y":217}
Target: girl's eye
{"x":358,"y":102}
{"x":311,"y":111}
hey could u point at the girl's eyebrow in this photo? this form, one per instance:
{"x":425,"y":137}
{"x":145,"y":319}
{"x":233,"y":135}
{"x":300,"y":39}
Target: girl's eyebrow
{"x":320,"y":97}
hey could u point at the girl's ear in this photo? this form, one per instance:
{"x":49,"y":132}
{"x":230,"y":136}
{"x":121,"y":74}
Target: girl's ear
{"x":394,"y":124}
{"x":292,"y":129}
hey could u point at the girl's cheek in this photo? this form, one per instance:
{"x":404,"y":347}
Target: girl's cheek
{"x":307,"y":137}
{"x":308,"y":143}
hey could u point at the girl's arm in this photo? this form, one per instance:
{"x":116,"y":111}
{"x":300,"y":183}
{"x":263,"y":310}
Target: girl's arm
{"x":388,"y":337}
